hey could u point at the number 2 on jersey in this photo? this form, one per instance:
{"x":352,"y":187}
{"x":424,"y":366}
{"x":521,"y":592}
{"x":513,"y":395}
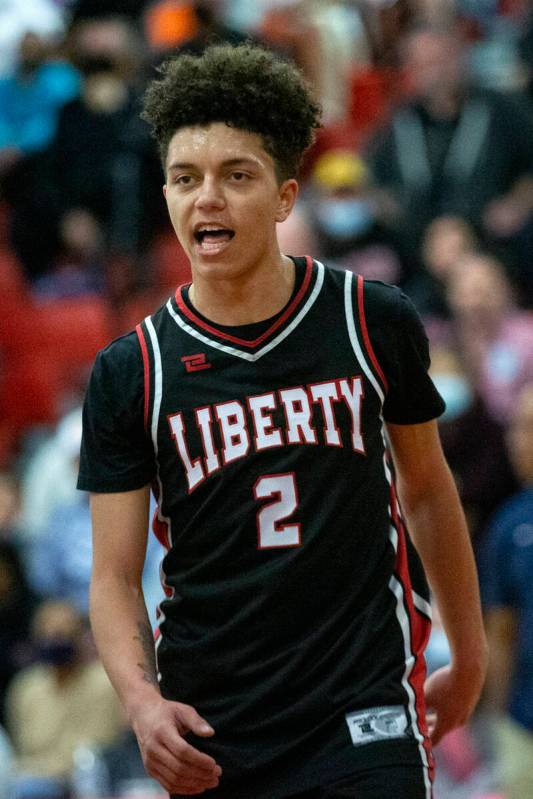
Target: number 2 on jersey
{"x":281,"y":488}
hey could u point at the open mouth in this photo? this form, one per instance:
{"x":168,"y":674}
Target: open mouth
{"x":207,"y":237}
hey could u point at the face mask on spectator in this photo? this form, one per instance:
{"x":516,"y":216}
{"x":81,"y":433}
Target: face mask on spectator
{"x":95,"y":64}
{"x":57,"y":651}
{"x":456,"y":392}
{"x":344,"y":218}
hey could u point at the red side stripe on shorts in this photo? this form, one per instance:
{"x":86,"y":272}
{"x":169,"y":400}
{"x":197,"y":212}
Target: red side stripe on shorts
{"x":364,"y":330}
{"x":146,"y":366}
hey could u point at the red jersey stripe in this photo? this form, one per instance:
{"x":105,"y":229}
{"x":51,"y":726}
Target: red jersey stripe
{"x":146,"y":367}
{"x":364,"y":331}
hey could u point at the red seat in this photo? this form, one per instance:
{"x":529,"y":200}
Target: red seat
{"x":46,"y":352}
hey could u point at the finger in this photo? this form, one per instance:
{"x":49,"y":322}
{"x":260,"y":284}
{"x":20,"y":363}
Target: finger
{"x":164,"y":777}
{"x":191,"y":720}
{"x":184,"y":771}
{"x":160,"y":757}
{"x":181,"y":784}
{"x":182,"y":753}
{"x":188,"y":754}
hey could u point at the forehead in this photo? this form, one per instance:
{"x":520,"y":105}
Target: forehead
{"x":216,"y":143}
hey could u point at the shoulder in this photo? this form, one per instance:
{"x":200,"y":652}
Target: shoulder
{"x":122,"y":351}
{"x":382,"y":295}
{"x":379,"y":298}
{"x":388,"y":311}
{"x":120,"y":364}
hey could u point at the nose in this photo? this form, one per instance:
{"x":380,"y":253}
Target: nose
{"x":210,"y":194}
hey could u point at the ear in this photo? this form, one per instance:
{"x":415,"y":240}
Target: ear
{"x":288,"y":192}
{"x":165,"y":191}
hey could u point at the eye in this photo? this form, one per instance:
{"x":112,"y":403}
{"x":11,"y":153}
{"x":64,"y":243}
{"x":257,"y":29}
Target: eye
{"x":239,"y":177}
{"x":182,"y":180}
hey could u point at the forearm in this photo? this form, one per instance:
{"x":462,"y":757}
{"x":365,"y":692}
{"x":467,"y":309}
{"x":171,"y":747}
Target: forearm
{"x":126,"y":647}
{"x":438,"y":529}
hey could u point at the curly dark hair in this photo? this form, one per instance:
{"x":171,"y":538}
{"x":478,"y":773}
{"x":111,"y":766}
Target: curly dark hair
{"x":247,"y":87}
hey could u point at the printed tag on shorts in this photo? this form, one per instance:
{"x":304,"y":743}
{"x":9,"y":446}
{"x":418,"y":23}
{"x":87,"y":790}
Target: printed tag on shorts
{"x":378,"y":724}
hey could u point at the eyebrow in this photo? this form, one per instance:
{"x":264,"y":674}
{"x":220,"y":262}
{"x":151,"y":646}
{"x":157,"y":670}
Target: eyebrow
{"x":229,"y":162}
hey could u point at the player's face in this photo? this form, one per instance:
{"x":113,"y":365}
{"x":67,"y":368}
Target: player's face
{"x":224,"y":200}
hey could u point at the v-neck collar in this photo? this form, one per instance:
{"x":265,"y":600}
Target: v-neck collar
{"x":209,"y":333}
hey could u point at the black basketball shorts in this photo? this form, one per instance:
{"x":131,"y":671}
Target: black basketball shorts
{"x":381,"y":782}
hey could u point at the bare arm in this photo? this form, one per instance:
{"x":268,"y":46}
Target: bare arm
{"x":125,"y":643}
{"x":436,"y":522}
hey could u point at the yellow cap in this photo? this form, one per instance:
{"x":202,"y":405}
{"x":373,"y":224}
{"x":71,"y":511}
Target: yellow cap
{"x":339,"y":169}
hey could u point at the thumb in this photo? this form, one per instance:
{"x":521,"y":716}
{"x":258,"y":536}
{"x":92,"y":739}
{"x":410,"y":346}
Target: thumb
{"x":191,"y":721}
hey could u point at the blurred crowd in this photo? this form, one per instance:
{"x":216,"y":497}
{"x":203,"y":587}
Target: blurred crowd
{"x":422,"y":176}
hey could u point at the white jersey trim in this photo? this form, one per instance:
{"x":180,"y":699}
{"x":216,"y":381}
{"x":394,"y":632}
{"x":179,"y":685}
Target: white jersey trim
{"x":254,"y":356}
{"x":422,"y":605}
{"x":354,"y":340}
{"x":156,"y":409}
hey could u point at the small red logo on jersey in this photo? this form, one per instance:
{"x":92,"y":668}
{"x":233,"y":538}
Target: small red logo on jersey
{"x":194,"y":363}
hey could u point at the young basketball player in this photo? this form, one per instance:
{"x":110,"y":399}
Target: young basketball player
{"x":256,"y":404}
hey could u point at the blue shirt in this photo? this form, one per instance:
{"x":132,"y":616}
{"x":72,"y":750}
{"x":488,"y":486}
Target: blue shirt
{"x":29,"y":109}
{"x":506,"y":573}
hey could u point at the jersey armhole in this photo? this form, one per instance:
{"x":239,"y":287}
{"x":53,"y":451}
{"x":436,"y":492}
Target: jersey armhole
{"x":364,"y":331}
{"x":146,"y":369}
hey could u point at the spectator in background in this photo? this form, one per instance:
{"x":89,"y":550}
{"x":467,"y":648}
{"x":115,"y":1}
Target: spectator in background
{"x":326,"y":40}
{"x":472,"y":441}
{"x":210,"y":28}
{"x":100,"y":160}
{"x":494,"y":336}
{"x":17,"y":601}
{"x":454,"y":149}
{"x":31,"y":97}
{"x":41,"y":17}
{"x":17,"y":605}
{"x":59,"y":703}
{"x":445,"y":241}
{"x":105,"y":120}
{"x":79,"y":267}
{"x":345,"y":221}
{"x":49,"y":479}
{"x":59,"y":554}
{"x":61,"y":559}
{"x":506,"y":570}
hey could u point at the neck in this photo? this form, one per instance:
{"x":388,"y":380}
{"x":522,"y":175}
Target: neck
{"x":62,"y":674}
{"x":252,"y":297}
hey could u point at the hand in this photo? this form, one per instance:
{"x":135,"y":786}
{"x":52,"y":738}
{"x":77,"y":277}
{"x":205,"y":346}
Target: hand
{"x":160,"y":728}
{"x":451,"y":696}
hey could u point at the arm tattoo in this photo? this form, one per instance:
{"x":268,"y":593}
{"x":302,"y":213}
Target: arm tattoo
{"x":148,"y":666}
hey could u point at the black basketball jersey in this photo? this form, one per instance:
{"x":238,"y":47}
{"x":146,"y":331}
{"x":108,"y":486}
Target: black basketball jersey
{"x":290,"y":620}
